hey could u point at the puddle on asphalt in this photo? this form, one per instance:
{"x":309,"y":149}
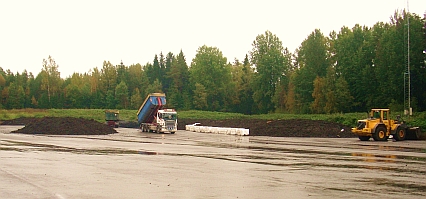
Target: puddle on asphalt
{"x":24,"y":146}
{"x":355,"y":145}
{"x":283,"y":157}
{"x":397,"y":186}
{"x":149,"y":153}
{"x":409,"y":187}
{"x":376,"y":158}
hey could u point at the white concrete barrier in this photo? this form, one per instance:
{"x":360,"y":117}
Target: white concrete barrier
{"x":218,"y":130}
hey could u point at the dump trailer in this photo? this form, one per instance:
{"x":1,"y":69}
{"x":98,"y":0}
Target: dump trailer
{"x":153,"y":118}
{"x":379,"y":126}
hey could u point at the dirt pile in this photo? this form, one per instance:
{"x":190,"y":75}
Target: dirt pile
{"x":279,"y":128}
{"x":275,"y":128}
{"x":60,"y":126}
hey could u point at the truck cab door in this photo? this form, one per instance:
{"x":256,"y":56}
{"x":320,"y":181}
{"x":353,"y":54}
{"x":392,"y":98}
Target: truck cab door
{"x":159,"y":117}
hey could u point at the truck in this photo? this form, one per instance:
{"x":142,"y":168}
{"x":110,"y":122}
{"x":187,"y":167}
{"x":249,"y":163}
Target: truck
{"x":112,"y":118}
{"x":379,"y":126}
{"x":153,"y":118}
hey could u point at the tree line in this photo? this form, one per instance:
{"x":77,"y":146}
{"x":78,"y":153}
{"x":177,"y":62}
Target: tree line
{"x":352,"y":70}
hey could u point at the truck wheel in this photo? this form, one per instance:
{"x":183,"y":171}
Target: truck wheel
{"x":172,"y":132}
{"x":400,"y":134}
{"x":380,"y":134}
{"x":364,"y":138}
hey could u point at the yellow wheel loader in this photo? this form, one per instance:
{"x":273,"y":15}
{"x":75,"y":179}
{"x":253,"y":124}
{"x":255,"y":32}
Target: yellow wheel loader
{"x":379,"y":126}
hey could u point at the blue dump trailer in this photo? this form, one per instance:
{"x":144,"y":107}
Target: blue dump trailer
{"x":152,"y":116}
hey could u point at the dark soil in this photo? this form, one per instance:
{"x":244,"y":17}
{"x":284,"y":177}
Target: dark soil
{"x":60,"y":126}
{"x":279,"y":128}
{"x":275,"y":128}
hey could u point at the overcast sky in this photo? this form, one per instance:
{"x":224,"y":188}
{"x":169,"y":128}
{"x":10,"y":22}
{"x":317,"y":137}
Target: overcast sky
{"x":81,"y":34}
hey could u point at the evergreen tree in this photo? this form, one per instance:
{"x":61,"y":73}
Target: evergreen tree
{"x":110,"y":100}
{"x":179,"y":78}
{"x":155,"y":87}
{"x":16,"y":96}
{"x":245,"y":94}
{"x":121,"y":96}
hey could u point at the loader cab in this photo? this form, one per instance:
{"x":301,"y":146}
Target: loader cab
{"x":382,"y":114}
{"x":376,"y":115}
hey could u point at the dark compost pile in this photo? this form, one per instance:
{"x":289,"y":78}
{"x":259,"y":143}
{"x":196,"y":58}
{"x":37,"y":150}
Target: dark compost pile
{"x":258,"y":127}
{"x":60,"y":126}
{"x":279,"y":128}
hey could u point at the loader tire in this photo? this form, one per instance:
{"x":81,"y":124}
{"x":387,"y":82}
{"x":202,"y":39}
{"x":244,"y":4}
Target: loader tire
{"x":364,"y":138}
{"x":400,"y":134}
{"x":380,"y":134}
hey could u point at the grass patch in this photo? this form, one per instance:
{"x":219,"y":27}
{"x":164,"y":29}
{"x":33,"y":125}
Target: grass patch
{"x":193,"y":114}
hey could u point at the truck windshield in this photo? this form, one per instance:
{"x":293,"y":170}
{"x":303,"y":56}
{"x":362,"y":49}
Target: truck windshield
{"x":169,"y":116}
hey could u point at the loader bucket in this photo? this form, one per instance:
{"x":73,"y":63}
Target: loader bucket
{"x":413,"y":133}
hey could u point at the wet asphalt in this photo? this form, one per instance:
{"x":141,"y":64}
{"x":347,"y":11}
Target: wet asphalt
{"x":132,"y":164}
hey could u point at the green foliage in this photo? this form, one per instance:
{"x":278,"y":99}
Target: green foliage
{"x":108,"y":78}
{"x":110,"y":100}
{"x":344,"y":99}
{"x":312,"y":59}
{"x":319,"y":96}
{"x":121,"y":96}
{"x":351,"y":70}
{"x":196,"y":114}
{"x":245,"y":92}
{"x":136,"y":99}
{"x":155,"y":87}
{"x":200,"y":97}
{"x":419,"y":120}
{"x":16,"y":96}
{"x":179,"y":81}
{"x":209,"y":69}
{"x":272,"y":64}
{"x":51,"y":80}
{"x":136,"y":79}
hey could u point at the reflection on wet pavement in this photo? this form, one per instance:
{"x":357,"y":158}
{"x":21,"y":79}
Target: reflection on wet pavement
{"x":362,"y":167}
